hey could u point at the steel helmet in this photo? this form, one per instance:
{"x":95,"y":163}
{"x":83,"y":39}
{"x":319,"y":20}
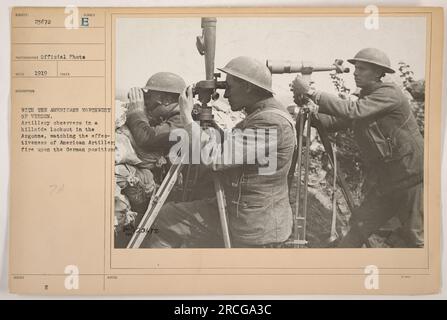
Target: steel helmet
{"x":250,"y":70}
{"x":166,"y":82}
{"x":373,"y":56}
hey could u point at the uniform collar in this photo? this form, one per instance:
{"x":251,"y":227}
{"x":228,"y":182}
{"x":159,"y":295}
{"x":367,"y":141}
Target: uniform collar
{"x":261,"y":104}
{"x":371,"y":88}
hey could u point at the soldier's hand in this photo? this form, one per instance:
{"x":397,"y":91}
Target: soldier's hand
{"x":186,"y":105}
{"x":136,"y":100}
{"x":311,"y":107}
{"x":299,"y":86}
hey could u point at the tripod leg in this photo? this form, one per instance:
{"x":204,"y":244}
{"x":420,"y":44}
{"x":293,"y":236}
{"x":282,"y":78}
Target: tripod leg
{"x":186,"y":183}
{"x":341,"y":180}
{"x":155,"y":204}
{"x":296,"y":224}
{"x":220,"y":197}
{"x":306,"y":176}
{"x":189,"y":183}
{"x":334,"y":234}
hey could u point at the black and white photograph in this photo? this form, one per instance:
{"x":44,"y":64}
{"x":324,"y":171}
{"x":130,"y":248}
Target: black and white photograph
{"x":269,"y":132}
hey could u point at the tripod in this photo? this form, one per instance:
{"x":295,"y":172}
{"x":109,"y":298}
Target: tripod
{"x":164,"y":190}
{"x":300,"y":160}
{"x":299,"y":217}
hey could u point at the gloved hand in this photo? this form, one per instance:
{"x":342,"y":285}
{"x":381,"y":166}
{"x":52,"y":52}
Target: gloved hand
{"x":299,"y":86}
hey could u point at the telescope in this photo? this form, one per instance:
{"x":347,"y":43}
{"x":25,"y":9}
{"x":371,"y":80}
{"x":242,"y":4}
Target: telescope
{"x":305,"y":68}
{"x":206,"y":89}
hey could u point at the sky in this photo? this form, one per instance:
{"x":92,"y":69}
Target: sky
{"x":145,"y":46}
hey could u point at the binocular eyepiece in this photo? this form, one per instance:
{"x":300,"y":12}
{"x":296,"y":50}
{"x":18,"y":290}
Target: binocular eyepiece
{"x":206,"y":89}
{"x":208,"y":85}
{"x":221,"y":85}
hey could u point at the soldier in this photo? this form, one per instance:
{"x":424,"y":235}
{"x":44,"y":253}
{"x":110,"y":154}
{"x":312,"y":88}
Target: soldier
{"x":153,"y":111}
{"x":390,"y":143}
{"x":258,"y":207}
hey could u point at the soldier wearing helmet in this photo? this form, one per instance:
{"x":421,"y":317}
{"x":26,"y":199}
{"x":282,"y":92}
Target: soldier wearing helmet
{"x":153,"y":111}
{"x":257,"y":204}
{"x":390,"y":143}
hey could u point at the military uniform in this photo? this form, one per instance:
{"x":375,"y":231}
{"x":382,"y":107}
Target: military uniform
{"x":392,"y":148}
{"x":151,"y":134}
{"x":151,"y":130}
{"x":258,"y":206}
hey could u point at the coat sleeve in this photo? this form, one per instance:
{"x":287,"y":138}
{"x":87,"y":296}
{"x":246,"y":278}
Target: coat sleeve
{"x":149,"y":137}
{"x":379,"y":102}
{"x":331,"y":123}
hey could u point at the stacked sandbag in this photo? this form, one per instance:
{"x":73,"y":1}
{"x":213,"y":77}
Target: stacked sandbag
{"x":137,"y":184}
{"x":124,"y":216}
{"x":134,"y":181}
{"x":124,"y":152}
{"x":120,"y":113}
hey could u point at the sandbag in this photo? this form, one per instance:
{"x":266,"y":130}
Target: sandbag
{"x":123,"y":214}
{"x":124,"y":152}
{"x":137,"y":184}
{"x":120,"y":113}
{"x":149,"y":160}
